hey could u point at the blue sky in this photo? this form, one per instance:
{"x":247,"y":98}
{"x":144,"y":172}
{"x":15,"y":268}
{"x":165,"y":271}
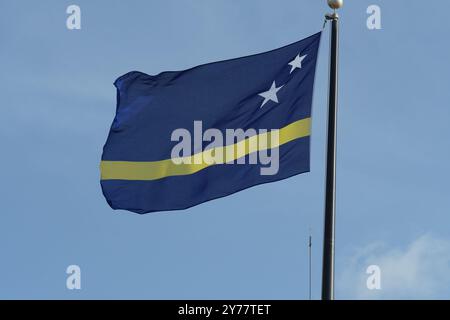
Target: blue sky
{"x":58,"y":101}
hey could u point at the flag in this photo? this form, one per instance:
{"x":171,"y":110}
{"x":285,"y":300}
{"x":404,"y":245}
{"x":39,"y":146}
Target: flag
{"x":182,"y":138}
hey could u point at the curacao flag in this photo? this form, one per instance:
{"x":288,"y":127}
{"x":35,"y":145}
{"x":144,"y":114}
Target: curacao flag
{"x":181,"y":138}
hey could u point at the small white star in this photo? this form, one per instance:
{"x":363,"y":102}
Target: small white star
{"x":297,"y":62}
{"x":271,"y":94}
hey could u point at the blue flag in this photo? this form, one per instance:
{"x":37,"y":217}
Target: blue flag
{"x":182,"y":138}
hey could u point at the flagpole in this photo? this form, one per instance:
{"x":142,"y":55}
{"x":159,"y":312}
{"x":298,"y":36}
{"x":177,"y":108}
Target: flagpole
{"x":310,"y":263}
{"x":330,"y":184}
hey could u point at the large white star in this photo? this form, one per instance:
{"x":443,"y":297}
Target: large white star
{"x":271,"y":94}
{"x":297,"y":62}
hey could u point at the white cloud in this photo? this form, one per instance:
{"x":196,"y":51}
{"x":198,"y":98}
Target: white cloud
{"x":419,"y":271}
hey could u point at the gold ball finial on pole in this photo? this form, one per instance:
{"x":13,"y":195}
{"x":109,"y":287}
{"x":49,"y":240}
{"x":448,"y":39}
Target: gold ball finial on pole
{"x":335,"y":4}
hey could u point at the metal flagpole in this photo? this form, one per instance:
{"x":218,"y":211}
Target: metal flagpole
{"x":330,"y":184}
{"x":310,"y":263}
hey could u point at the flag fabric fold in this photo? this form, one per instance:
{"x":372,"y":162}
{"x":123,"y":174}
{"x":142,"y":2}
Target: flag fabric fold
{"x":179,"y":139}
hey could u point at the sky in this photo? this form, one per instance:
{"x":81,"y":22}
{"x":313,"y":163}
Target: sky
{"x":393,"y":196}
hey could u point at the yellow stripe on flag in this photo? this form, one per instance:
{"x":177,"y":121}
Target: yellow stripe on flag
{"x":153,"y":170}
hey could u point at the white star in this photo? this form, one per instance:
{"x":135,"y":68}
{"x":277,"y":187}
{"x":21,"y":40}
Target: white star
{"x":297,"y":62}
{"x":271,"y":94}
